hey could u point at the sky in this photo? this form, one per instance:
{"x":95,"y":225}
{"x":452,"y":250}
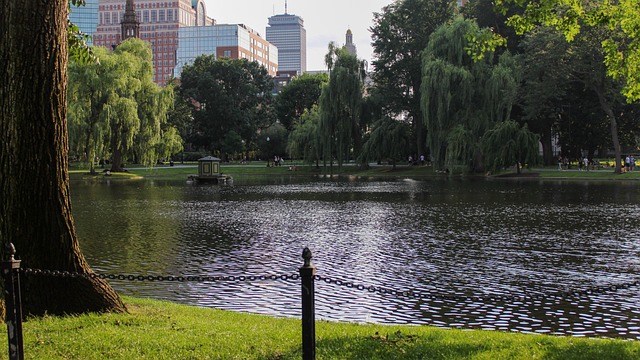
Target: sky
{"x":324,"y":20}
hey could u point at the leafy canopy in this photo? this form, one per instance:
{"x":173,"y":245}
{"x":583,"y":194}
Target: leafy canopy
{"x":226,"y":95}
{"x":620,"y":17}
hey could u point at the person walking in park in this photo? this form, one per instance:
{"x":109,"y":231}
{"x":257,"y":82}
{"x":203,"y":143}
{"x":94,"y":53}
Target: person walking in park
{"x":627,"y":163}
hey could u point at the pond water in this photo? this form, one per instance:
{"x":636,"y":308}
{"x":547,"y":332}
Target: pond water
{"x":517,"y":255}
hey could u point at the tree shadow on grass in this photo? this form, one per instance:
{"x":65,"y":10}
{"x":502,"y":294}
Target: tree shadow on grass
{"x":442,"y":344}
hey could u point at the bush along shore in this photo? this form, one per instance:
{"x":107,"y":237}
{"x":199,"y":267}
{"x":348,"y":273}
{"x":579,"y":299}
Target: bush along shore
{"x":162,"y":330}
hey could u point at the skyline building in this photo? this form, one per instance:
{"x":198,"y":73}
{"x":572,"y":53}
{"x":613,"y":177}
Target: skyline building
{"x":159,"y":24}
{"x":86,"y":18}
{"x":287,"y":33}
{"x":232,"y":41}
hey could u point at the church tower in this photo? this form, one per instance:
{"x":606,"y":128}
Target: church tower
{"x":130,"y":24}
{"x":349,"y":45}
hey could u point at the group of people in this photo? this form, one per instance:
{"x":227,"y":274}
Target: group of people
{"x":583,"y":163}
{"x":587,"y":164}
{"x":413,"y":160}
{"x":629,"y":163}
{"x":277,"y":160}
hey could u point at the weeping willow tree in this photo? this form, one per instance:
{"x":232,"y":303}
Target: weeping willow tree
{"x":509,"y":144}
{"x":303,"y":141}
{"x":463,"y":98}
{"x":388,"y":140}
{"x":86,"y":96}
{"x":116,"y":109}
{"x":340,"y":104}
{"x":156,"y":139}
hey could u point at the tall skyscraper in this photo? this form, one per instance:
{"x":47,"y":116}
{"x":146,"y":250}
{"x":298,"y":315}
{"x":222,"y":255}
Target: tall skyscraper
{"x":86,"y":17}
{"x":159,"y":25}
{"x":287,"y":33}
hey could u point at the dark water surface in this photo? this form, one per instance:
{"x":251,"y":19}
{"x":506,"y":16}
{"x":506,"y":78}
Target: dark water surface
{"x":489,"y":254}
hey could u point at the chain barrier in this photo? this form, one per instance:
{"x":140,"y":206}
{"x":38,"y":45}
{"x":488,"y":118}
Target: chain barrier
{"x":158,"y":278}
{"x":420,"y":295}
{"x":411,"y":294}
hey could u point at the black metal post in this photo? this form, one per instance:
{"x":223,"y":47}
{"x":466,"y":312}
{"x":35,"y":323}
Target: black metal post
{"x":13,"y":304}
{"x":307,"y":274}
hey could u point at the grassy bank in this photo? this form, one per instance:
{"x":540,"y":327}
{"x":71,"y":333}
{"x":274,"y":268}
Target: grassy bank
{"x":181,"y":171}
{"x":163,"y":330}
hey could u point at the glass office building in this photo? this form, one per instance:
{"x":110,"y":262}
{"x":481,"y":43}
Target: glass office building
{"x":86,"y":17}
{"x":232,"y":41}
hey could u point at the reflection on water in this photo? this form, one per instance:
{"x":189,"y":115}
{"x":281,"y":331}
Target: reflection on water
{"x":467,"y":239}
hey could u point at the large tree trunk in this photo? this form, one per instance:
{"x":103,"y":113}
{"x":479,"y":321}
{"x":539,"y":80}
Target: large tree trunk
{"x":35,"y":212}
{"x":116,"y":160}
{"x":604,"y":105}
{"x":547,"y":146}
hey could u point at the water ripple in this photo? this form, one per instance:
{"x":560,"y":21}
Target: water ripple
{"x":462,"y":238}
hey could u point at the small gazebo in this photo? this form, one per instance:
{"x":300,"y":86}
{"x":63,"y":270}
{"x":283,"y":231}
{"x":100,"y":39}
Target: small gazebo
{"x":209,"y":166}
{"x":209,"y":171}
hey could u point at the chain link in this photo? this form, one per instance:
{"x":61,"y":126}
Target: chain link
{"x":419,"y":295}
{"x":163,"y":278}
{"x":411,"y":293}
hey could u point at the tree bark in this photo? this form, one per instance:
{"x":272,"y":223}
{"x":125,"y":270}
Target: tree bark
{"x":613,"y":124}
{"x":116,"y":160}
{"x":35,"y":213}
{"x":548,"y":157}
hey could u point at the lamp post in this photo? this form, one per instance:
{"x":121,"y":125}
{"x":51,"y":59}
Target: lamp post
{"x":268,"y":151}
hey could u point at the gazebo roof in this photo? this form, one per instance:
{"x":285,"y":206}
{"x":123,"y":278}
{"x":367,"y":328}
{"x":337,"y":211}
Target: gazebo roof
{"x":209,"y":158}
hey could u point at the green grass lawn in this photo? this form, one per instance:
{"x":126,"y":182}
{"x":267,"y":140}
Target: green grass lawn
{"x":254,"y":168}
{"x":164,"y":330}
{"x":181,"y":172}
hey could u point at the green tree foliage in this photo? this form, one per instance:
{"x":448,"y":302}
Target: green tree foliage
{"x":399,"y":35}
{"x":116,"y":109}
{"x":272,"y":142}
{"x":87,"y":128}
{"x":304,"y":140}
{"x":463,"y":98}
{"x":509,"y":144}
{"x":79,"y":50}
{"x":300,"y":95}
{"x":389,"y":140}
{"x":546,"y":85}
{"x":582,"y":125}
{"x":621,"y":48}
{"x":180,"y":117}
{"x":340,"y":103}
{"x":226,"y":95}
{"x":588,"y":67}
{"x":501,"y":34}
{"x":232,"y":143}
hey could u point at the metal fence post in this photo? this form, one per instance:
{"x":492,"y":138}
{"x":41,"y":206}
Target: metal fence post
{"x":13,"y":304}
{"x":307,"y":274}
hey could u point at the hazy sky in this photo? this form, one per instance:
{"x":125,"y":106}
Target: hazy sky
{"x":324,"y":20}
